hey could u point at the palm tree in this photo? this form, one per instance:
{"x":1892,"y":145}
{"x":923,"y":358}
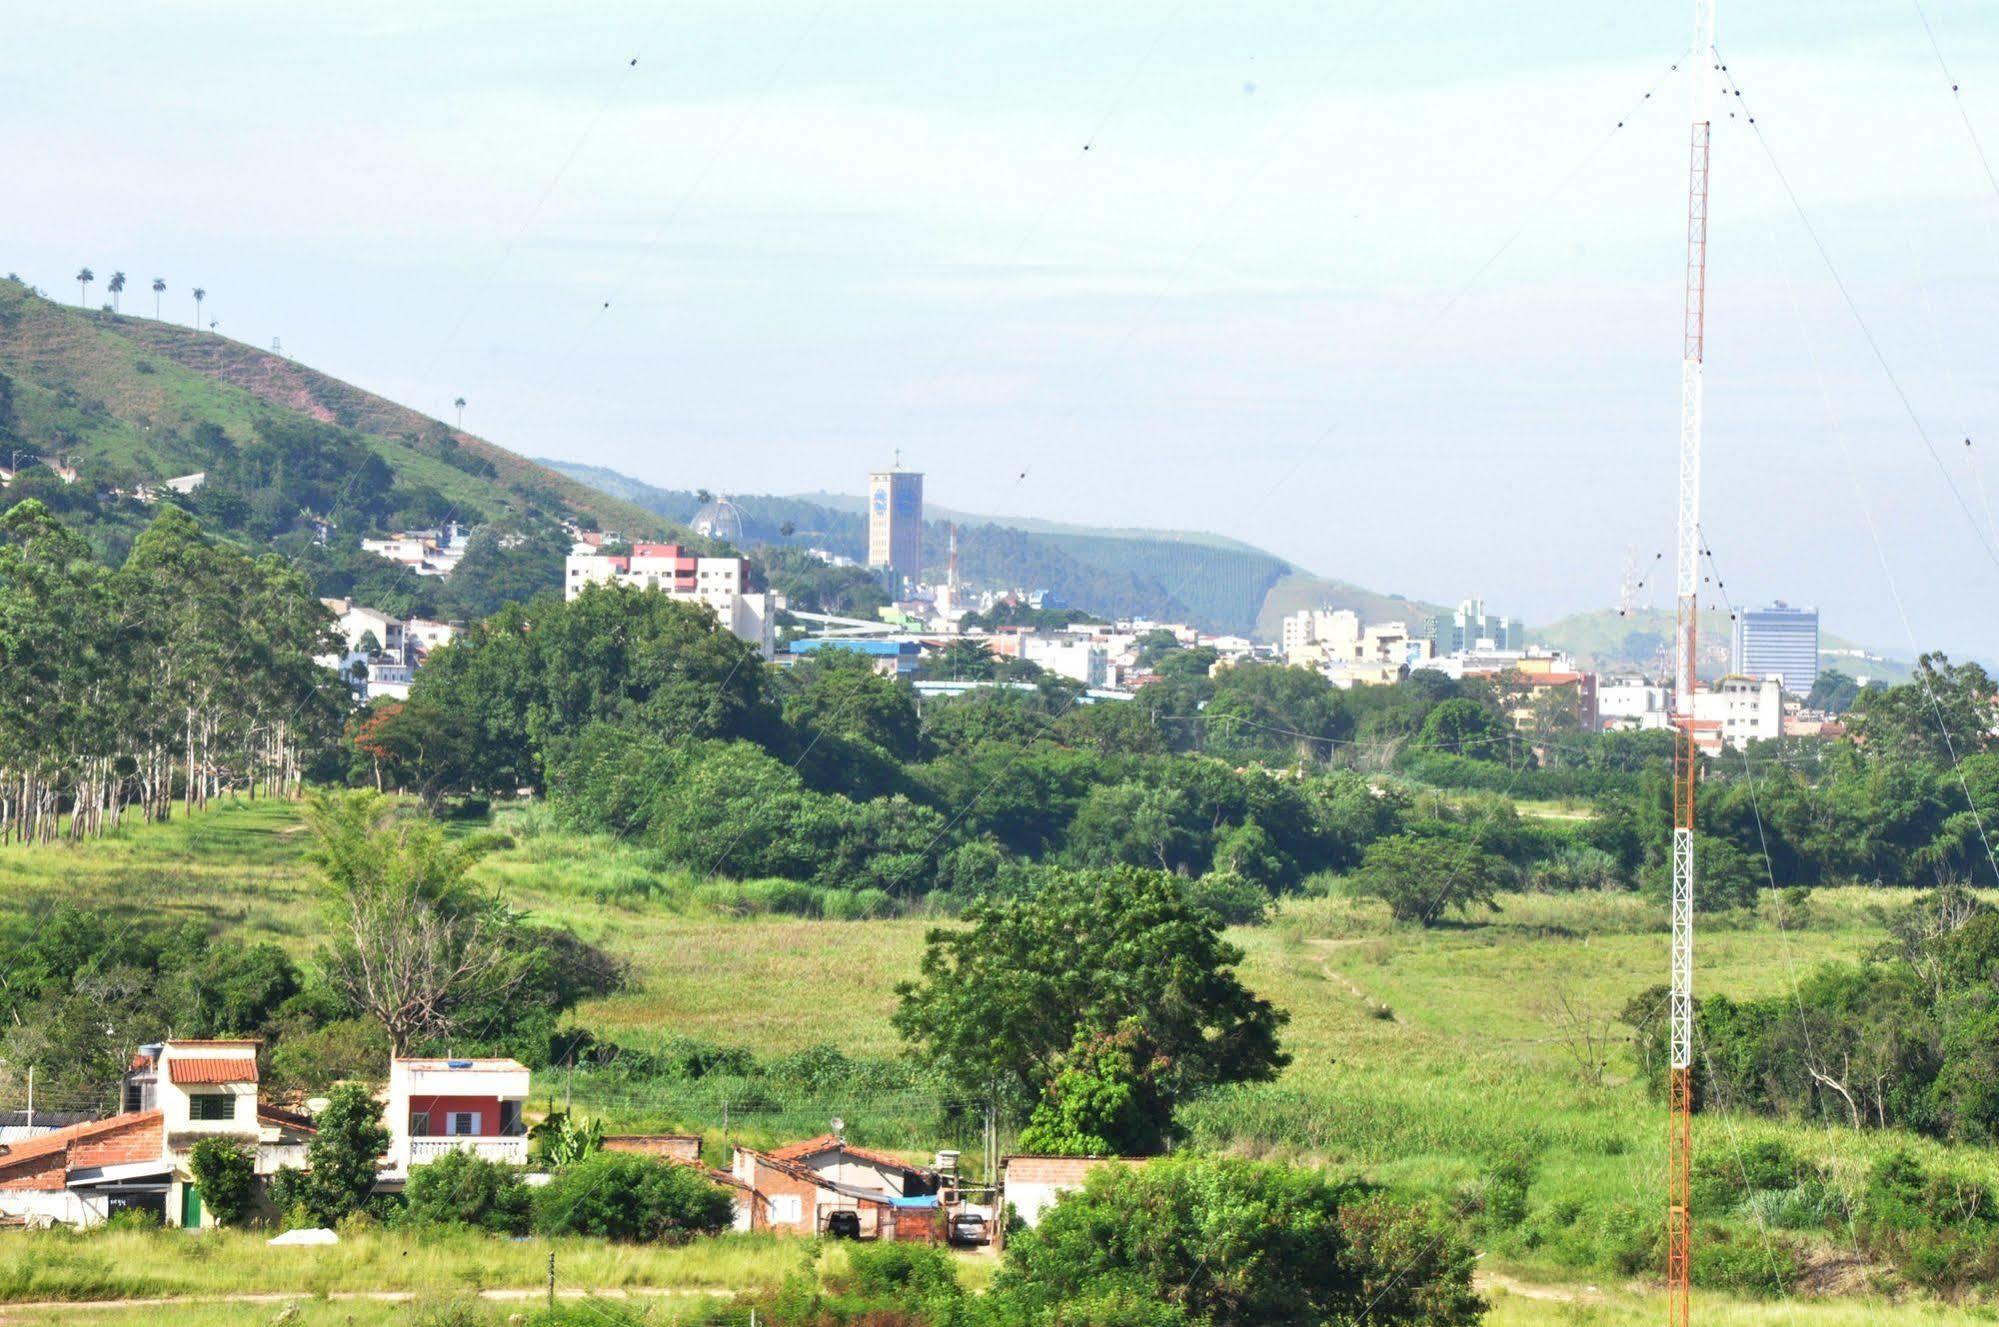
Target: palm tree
{"x":84,"y":276}
{"x":460,"y":403}
{"x":159,"y":285}
{"x":786,"y":531}
{"x":117,"y":287}
{"x":703,"y":496}
{"x":199,"y":296}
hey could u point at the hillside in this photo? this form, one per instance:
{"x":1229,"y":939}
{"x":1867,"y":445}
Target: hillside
{"x":1217,"y":583}
{"x":130,"y":400}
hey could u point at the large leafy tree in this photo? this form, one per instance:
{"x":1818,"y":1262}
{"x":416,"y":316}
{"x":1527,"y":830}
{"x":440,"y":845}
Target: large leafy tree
{"x":1220,"y":1242}
{"x":1945,"y":710}
{"x":1002,"y":1000}
{"x":1423,"y":877}
{"x":534,"y":677}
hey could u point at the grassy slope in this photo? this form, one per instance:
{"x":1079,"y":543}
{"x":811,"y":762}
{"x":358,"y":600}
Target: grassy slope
{"x":118,"y":383}
{"x":1470,"y":1070}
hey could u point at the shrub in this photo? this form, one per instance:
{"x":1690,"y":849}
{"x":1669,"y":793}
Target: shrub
{"x":459,"y":1189}
{"x":855,"y":905}
{"x":225,"y":1174}
{"x":1143,"y":1245}
{"x":1234,"y":900}
{"x":623,"y":1196}
{"x":341,"y":1161}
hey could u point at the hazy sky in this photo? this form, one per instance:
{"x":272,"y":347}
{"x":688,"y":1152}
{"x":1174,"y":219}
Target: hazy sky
{"x":1275,"y":297}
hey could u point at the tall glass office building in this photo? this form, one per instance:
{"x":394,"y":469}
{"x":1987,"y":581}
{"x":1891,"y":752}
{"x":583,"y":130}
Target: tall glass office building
{"x":1779,"y":641}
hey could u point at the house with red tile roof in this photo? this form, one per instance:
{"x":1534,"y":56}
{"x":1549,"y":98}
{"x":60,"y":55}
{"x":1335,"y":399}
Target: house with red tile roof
{"x":138,"y":1160}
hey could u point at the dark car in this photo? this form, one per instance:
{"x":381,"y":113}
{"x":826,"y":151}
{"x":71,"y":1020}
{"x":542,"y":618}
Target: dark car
{"x":969,"y":1229}
{"x":843,"y":1225}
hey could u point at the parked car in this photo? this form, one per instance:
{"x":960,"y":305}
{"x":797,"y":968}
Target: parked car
{"x":843,"y":1225}
{"x":968,"y":1229}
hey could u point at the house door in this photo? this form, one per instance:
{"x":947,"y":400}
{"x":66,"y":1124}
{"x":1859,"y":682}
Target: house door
{"x":190,"y":1206}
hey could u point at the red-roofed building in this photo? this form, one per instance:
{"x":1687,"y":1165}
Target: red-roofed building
{"x":798,"y":1188}
{"x":183,"y":1091}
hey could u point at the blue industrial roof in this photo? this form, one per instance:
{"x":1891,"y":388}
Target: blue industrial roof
{"x":881,"y":647}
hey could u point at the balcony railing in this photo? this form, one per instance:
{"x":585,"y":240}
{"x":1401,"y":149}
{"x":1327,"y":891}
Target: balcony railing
{"x":512,"y":1150}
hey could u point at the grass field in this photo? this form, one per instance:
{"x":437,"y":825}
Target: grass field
{"x":1424,"y":1060}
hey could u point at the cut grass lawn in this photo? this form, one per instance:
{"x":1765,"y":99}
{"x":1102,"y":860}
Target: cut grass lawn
{"x":1422,"y":1059}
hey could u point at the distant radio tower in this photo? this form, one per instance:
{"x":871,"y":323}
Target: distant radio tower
{"x":951,"y":571}
{"x":277,"y":345}
{"x":1627,"y":583}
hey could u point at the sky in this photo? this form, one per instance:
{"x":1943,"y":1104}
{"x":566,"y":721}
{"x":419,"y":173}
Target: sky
{"x":1383,"y":288}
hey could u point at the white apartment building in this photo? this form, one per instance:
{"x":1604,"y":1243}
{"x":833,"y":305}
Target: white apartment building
{"x":425,"y":552}
{"x":1075,"y":657}
{"x":1348,"y":652}
{"x":1738,"y":710}
{"x":1633,"y":704}
{"x":720,"y":583}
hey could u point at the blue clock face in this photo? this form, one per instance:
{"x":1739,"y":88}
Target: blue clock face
{"x":881,"y":502}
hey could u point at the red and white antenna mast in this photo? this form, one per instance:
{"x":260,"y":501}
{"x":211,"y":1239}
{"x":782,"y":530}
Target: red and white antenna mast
{"x":1680,"y":1136}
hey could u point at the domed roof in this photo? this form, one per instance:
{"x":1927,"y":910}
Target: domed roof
{"x":720,"y":519}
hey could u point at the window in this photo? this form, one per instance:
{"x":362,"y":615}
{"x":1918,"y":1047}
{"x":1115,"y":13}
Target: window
{"x":510,"y":1117}
{"x":462,"y":1122}
{"x":419,"y":1123}
{"x":786,"y":1209}
{"x":212,"y":1106}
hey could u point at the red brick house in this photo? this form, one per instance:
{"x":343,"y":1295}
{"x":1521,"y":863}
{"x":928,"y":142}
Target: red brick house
{"x":138,"y":1160}
{"x":797,"y":1188}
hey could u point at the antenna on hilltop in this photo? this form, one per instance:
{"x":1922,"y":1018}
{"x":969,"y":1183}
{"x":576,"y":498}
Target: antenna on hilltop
{"x":277,"y":345}
{"x":1628,"y":583}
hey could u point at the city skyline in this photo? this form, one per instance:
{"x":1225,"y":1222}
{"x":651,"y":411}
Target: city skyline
{"x":1178,"y":273}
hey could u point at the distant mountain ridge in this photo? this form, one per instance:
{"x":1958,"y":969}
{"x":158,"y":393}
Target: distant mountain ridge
{"x":1216,"y":583}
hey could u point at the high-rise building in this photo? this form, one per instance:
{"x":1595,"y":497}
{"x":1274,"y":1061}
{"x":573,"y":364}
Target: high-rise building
{"x":1779,"y":641}
{"x":895,"y":524}
{"x":1472,"y":628}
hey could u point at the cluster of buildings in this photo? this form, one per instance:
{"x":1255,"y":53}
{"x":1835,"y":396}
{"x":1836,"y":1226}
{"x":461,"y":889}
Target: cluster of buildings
{"x":81,"y":1172}
{"x":1775,"y":664}
{"x":425,"y":552}
{"x":721,"y":583}
{"x":381,"y":653}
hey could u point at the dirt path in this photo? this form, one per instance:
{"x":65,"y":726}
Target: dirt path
{"x":509,"y":1294}
{"x":1547,"y":1294}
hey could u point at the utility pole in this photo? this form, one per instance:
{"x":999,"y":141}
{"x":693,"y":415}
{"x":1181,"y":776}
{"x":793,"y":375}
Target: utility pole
{"x":551,"y":1278}
{"x":1680,"y":1011}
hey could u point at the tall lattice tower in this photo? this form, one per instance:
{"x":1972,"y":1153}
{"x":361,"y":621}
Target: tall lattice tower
{"x":1680,"y":1130}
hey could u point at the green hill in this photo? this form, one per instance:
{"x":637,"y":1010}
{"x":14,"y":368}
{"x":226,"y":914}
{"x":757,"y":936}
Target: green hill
{"x":130,"y":400}
{"x":1642,"y":642}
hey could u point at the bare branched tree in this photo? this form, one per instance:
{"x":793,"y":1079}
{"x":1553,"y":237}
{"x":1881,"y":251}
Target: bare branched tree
{"x":1585,"y":1034}
{"x":417,"y":944}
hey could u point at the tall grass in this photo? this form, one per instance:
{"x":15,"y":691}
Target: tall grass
{"x":114,"y":1264}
